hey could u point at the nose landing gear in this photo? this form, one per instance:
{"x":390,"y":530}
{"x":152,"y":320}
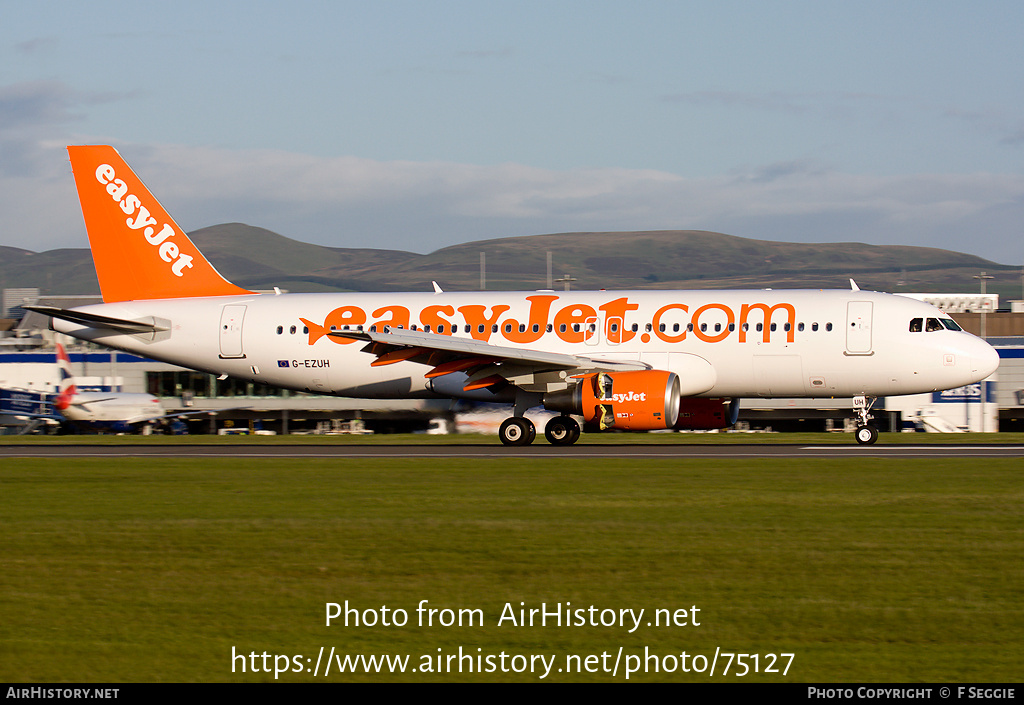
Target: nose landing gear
{"x":866,"y":434}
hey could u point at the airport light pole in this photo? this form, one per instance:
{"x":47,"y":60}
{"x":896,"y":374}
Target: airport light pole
{"x":983,"y":278}
{"x":984,"y":304}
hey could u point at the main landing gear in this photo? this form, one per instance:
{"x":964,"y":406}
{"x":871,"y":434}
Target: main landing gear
{"x":520,"y":431}
{"x":517,"y":431}
{"x":866,"y":434}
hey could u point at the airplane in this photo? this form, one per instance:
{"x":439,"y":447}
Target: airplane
{"x":613,"y":360}
{"x":120,"y":412}
{"x":71,"y":408}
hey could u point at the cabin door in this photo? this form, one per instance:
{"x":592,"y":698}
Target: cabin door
{"x":858,"y":328}
{"x":231,"y":331}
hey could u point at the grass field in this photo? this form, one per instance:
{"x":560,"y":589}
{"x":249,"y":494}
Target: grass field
{"x":865,"y":570}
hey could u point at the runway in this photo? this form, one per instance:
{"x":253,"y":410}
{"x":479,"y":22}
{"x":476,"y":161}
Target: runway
{"x":538,"y":451}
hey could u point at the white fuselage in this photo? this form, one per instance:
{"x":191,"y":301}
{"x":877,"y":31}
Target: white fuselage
{"x":112,"y":408}
{"x":744,"y":343}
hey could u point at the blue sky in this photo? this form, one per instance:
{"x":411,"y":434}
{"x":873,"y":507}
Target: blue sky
{"x":416,"y":125}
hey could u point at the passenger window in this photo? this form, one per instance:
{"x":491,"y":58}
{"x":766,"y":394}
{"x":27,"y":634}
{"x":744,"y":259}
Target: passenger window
{"x":800,"y":327}
{"x":828,"y":326}
{"x":814,"y":326}
{"x":916,"y":325}
{"x":280,"y":330}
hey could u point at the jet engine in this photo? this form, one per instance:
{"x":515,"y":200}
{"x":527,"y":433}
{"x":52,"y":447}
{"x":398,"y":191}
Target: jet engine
{"x":643,"y":400}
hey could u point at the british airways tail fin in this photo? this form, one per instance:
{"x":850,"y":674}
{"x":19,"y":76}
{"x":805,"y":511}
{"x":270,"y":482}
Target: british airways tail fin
{"x":67,"y":381}
{"x":138,"y":250}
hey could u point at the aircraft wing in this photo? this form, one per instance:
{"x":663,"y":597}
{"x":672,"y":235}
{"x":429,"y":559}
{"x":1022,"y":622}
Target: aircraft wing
{"x":486,"y":364}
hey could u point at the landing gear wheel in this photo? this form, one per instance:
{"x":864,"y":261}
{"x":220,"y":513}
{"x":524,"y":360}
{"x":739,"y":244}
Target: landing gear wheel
{"x":866,"y":435}
{"x":517,"y":431}
{"x":562,"y":431}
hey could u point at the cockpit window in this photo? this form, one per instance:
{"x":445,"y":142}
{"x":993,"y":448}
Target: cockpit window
{"x":916,"y":325}
{"x":950,"y":324}
{"x":933,"y":325}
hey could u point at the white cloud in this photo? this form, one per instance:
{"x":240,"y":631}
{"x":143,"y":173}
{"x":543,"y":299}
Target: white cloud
{"x":353,"y":202}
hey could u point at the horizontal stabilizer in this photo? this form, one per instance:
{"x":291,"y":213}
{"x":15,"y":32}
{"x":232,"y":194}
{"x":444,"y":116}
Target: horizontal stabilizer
{"x":93,"y":320}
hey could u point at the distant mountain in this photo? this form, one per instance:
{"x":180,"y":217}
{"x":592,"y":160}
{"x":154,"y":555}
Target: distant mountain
{"x":672,"y":259}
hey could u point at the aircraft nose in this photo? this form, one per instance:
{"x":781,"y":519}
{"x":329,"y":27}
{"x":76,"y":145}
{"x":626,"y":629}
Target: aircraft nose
{"x":984,"y":359}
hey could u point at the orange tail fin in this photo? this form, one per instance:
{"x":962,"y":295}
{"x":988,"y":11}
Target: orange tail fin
{"x":138,"y":250}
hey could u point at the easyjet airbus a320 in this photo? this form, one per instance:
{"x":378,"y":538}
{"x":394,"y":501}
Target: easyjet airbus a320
{"x":622,"y":360}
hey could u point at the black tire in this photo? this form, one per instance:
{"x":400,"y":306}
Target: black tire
{"x":866,"y":435}
{"x":562,"y":431}
{"x":517,"y":431}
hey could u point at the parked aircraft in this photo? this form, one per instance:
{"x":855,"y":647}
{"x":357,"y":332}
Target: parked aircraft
{"x":114,"y":411}
{"x":617,"y":360}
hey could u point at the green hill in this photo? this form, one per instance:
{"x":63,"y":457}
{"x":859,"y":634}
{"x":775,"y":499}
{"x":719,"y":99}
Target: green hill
{"x":260,"y":259}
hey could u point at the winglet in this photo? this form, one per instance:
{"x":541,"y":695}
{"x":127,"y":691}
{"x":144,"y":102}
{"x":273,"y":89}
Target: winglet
{"x":138,"y":250}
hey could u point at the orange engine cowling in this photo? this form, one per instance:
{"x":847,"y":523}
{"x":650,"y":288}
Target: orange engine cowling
{"x":644,"y":400}
{"x":696,"y":414}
